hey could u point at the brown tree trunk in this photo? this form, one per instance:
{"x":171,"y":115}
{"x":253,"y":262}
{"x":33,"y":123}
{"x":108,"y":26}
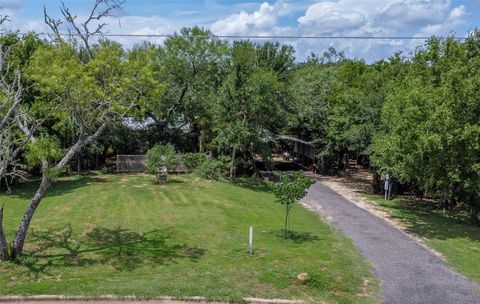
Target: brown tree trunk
{"x":4,"y":255}
{"x":232,"y":167}
{"x":474,"y":214}
{"x":45,"y":184}
{"x":285,"y":231}
{"x":19,"y":240}
{"x":200,"y":142}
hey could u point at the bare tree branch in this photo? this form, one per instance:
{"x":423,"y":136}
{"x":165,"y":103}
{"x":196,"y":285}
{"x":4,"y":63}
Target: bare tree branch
{"x":87,"y":29}
{"x":4,"y":18}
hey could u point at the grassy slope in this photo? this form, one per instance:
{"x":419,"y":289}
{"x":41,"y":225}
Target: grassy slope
{"x":451,"y":234}
{"x":125,"y":235}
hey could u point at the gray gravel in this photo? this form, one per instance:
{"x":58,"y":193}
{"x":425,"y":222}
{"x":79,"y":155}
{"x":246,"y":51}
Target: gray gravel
{"x":409,"y":272}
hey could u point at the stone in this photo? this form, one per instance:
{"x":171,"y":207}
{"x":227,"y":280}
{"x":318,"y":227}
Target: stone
{"x":303,"y":277}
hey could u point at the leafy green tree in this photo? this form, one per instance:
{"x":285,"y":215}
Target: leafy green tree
{"x":251,"y":105}
{"x":430,"y":130}
{"x":162,"y":156}
{"x":82,"y":89}
{"x":311,"y":89}
{"x":354,"y":117}
{"x":337,"y":106}
{"x":16,"y":94}
{"x":193,"y":63}
{"x":289,"y":191}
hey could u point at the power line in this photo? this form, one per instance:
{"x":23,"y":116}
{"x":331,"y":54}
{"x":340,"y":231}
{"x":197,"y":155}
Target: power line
{"x":287,"y":37}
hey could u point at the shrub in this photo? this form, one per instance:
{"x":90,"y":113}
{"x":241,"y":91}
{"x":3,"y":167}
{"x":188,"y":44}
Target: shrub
{"x":161,"y":155}
{"x":213,"y":168}
{"x":193,"y":160}
{"x":107,"y":170}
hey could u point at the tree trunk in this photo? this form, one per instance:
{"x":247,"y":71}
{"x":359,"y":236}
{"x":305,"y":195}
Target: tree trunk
{"x":19,"y":240}
{"x":46,"y":183}
{"x":285,"y":231}
{"x":4,"y":255}
{"x":474,"y":214}
{"x":200,"y":142}
{"x":232,"y":167}
{"x":78,"y":165}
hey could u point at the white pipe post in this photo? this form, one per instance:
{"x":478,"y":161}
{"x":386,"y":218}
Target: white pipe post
{"x":250,"y":240}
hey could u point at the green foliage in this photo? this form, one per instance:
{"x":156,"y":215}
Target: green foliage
{"x":162,"y":156}
{"x":107,"y":170}
{"x":193,"y":160}
{"x":44,"y":149}
{"x":289,"y":191}
{"x":430,"y":133}
{"x":253,"y":99}
{"x":337,"y":105}
{"x":212,"y":168}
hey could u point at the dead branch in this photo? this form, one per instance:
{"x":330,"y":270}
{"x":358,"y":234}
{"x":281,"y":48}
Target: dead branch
{"x":87,"y":29}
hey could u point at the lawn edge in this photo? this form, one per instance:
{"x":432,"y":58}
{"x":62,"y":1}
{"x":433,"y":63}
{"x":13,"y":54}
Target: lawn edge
{"x":160,"y":299}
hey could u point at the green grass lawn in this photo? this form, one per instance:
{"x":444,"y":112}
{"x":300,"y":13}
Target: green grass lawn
{"x":126,"y":235}
{"x":449,"y":233}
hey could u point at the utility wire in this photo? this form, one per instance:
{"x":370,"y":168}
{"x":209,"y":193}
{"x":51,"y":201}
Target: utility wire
{"x":262,"y":36}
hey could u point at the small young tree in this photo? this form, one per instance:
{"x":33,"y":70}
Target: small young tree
{"x":289,"y":190}
{"x":162,"y":156}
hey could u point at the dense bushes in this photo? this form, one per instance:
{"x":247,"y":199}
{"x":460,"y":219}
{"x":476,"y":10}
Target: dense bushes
{"x":212,"y":168}
{"x":193,"y":160}
{"x":162,"y":156}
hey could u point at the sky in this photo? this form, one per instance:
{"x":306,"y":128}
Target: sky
{"x":417,"y":18}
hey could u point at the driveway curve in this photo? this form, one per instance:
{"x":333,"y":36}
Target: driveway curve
{"x":410,"y":274}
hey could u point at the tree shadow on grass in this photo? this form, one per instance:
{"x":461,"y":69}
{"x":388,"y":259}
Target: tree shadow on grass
{"x":170,"y":181}
{"x":296,"y":237}
{"x":428,"y":219}
{"x":60,"y":187}
{"x":254,"y":184}
{"x":120,"y":248}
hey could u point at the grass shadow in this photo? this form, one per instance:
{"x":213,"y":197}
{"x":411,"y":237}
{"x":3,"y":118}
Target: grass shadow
{"x":428,"y":219}
{"x":295,"y":236}
{"x":60,"y":187}
{"x":120,"y":248}
{"x":254,"y":184}
{"x":170,"y":181}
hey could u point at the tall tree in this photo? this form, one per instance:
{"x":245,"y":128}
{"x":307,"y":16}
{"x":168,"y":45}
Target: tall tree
{"x":251,"y":104}
{"x":15,"y":94}
{"x":431,"y":133}
{"x":84,"y":87}
{"x":194,"y":63}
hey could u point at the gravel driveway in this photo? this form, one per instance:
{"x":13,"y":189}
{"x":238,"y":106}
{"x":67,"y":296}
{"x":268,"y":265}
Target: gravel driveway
{"x":409,"y":272}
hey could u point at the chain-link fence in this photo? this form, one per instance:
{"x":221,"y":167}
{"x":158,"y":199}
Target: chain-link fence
{"x":131,"y":163}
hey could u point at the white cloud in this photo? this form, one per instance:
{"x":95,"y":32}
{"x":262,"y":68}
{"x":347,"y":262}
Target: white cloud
{"x":458,"y":13}
{"x":413,"y":14}
{"x":261,"y":22}
{"x":329,"y":17}
{"x":350,"y":18}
